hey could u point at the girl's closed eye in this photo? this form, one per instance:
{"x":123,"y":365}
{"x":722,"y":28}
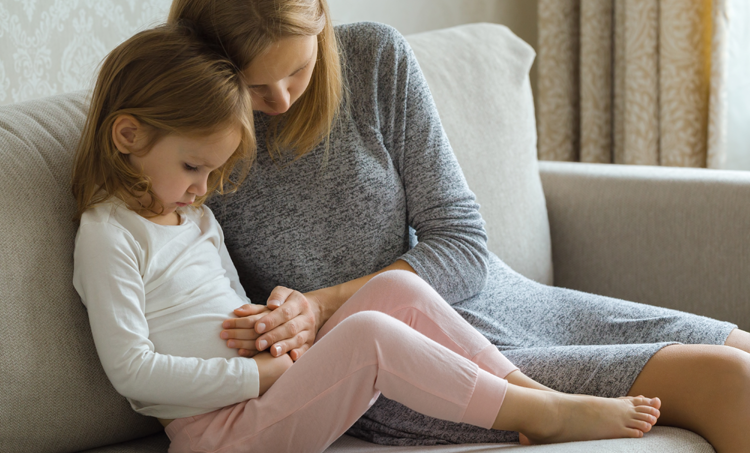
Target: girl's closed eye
{"x":189,"y":167}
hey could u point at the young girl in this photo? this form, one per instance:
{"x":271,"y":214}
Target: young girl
{"x":169,"y":120}
{"x":312,"y":238}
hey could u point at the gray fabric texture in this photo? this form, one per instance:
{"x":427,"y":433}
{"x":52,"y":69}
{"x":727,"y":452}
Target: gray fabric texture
{"x":49,"y":371}
{"x":389,"y":178}
{"x":672,"y":237}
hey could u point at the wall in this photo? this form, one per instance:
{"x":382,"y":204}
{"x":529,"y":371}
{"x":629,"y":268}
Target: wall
{"x":54,"y":46}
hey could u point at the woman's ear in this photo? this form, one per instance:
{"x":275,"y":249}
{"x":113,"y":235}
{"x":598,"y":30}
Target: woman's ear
{"x":127,"y":134}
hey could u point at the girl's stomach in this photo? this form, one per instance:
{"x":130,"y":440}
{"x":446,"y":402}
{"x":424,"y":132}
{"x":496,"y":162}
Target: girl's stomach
{"x":191,"y":327}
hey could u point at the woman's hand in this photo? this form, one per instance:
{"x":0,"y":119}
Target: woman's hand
{"x":292,"y":325}
{"x":240,"y":332}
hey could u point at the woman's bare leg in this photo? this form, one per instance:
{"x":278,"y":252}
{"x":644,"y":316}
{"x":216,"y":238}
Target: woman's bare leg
{"x":739,"y":339}
{"x":703,"y":388}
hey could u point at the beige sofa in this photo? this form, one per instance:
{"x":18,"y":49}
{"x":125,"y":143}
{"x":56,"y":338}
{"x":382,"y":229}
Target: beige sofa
{"x":677,"y":238}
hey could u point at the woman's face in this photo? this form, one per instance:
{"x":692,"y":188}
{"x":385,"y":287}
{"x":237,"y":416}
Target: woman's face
{"x":279,"y":76}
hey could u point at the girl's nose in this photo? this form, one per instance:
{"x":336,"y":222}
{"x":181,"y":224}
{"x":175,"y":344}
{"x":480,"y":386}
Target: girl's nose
{"x":199,"y":188}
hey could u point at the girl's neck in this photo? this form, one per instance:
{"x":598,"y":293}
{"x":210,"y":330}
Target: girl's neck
{"x":171,"y":219}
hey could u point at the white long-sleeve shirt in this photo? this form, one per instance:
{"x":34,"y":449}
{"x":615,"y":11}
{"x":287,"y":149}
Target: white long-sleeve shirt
{"x":156,"y":298}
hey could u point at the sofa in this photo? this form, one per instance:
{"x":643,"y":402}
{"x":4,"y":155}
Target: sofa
{"x":671,"y":237}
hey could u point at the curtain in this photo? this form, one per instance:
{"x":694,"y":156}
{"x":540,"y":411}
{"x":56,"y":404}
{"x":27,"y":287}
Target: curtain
{"x":633,"y":81}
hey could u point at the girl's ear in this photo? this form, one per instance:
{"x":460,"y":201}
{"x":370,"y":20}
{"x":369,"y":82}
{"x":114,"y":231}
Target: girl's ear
{"x":127,"y":134}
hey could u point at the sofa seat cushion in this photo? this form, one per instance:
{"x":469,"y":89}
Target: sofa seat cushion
{"x":661,"y":439}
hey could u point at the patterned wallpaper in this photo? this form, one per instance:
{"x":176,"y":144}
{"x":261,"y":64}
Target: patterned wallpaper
{"x":54,"y":46}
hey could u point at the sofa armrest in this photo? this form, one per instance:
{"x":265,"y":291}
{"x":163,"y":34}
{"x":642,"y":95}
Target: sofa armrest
{"x":672,"y":237}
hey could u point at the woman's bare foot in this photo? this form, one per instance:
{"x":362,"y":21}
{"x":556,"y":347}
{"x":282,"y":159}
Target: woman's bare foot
{"x":549,"y":417}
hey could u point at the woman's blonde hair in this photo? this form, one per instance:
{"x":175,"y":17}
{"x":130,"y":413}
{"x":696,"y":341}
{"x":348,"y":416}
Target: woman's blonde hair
{"x":246,"y":28}
{"x":172,"y":83}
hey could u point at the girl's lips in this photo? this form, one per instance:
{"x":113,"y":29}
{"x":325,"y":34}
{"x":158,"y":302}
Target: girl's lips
{"x":182,"y":205}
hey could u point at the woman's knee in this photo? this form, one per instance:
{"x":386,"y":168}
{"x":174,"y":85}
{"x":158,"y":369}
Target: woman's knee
{"x":710,"y":370}
{"x":731,"y":370}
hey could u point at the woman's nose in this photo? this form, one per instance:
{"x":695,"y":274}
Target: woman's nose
{"x":279,"y":99}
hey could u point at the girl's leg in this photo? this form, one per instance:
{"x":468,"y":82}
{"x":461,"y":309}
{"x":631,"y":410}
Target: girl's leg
{"x":333,"y":384}
{"x":703,"y":388}
{"x":408,"y":298}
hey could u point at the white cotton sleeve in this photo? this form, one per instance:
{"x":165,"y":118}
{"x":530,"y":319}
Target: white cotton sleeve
{"x":109,"y":280}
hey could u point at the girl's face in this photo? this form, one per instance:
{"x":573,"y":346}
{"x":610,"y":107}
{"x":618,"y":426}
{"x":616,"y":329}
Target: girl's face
{"x":179,"y":165}
{"x":279,"y":76}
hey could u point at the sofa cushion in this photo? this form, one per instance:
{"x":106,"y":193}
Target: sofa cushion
{"x":660,"y":439}
{"x":479,"y":77}
{"x":54,"y":395}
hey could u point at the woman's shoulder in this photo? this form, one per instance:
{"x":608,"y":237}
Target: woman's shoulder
{"x":368,"y":38}
{"x":372,"y":33}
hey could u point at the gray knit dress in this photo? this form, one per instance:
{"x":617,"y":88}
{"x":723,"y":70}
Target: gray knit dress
{"x":389,"y":188}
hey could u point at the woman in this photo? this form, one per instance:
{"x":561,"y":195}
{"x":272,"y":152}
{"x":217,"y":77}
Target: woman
{"x":343,"y":186}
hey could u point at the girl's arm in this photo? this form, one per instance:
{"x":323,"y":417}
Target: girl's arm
{"x":451,"y":254}
{"x":108,"y":278}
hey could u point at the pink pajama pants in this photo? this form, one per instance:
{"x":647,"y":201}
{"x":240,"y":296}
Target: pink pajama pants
{"x":395,"y":336}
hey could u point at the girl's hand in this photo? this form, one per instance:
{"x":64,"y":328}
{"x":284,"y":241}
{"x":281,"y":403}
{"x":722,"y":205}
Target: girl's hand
{"x":292,"y":325}
{"x":240,"y":332}
{"x":270,"y":369}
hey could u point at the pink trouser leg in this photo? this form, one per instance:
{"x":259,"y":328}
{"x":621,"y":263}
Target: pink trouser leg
{"x":335,"y":382}
{"x":410,"y":299}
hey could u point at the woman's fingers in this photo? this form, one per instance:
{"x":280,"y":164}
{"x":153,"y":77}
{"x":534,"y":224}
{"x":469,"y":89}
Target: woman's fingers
{"x":295,"y":354}
{"x":278,"y":296}
{"x":293,"y":303}
{"x":282,"y":347}
{"x":288,"y":327}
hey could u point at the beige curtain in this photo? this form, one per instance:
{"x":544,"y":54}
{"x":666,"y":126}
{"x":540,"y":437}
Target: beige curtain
{"x":632,"y":81}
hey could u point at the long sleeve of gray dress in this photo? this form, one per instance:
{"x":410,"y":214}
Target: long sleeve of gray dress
{"x":451,"y":254}
{"x":388,"y":188}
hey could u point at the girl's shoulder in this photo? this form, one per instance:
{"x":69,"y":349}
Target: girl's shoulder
{"x":108,"y":212}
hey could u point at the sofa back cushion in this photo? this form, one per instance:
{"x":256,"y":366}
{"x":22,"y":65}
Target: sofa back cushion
{"x":479,"y":77}
{"x":54,"y":395}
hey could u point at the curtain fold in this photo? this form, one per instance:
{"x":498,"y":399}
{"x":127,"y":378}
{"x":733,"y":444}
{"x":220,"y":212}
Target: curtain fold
{"x":632,"y":81}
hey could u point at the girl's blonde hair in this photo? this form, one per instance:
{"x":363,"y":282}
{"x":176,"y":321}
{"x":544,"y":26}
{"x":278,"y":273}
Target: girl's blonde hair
{"x":246,"y":28}
{"x":172,"y":83}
